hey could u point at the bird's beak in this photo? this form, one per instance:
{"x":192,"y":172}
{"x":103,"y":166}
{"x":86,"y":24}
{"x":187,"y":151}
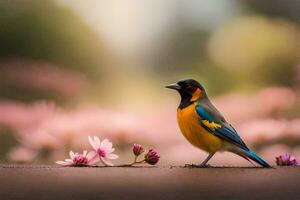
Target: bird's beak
{"x":174,"y":86}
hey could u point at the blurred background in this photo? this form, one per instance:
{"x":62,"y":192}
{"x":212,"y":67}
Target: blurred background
{"x":72,"y":68}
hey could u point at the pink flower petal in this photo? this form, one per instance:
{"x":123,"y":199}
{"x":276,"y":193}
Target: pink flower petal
{"x":84,"y":153}
{"x":68,"y":161}
{"x":71,"y":153}
{"x":92,"y":158}
{"x":93,"y":161}
{"x":106,"y":161}
{"x":110,"y":150}
{"x":112,"y":156}
{"x":62,"y":163}
{"x":97,"y":141}
{"x":105,"y":144}
{"x":90,"y":155}
{"x":93,"y":144}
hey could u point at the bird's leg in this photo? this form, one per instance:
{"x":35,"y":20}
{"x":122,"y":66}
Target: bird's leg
{"x":204,"y":163}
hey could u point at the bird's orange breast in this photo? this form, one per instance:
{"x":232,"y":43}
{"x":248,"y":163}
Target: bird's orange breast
{"x":194,"y":132}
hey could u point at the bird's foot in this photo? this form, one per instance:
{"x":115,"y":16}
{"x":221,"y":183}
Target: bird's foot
{"x":197,"y":166}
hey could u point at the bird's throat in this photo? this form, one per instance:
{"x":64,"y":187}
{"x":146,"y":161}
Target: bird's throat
{"x":185,"y":100}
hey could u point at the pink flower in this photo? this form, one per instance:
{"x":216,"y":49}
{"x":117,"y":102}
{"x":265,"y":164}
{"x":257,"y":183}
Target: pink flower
{"x":137,"y":149}
{"x":22,"y":154}
{"x":80,"y":160}
{"x":286,"y":160}
{"x":152,"y":157}
{"x":276,"y":99}
{"x":104,"y":150}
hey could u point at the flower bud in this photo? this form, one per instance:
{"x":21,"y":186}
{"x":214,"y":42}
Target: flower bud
{"x":152,"y":157}
{"x":137,"y":149}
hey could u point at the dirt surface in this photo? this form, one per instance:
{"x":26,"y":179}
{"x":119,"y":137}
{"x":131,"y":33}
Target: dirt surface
{"x":49,"y":182}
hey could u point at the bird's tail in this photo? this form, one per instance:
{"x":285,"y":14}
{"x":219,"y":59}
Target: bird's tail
{"x":250,"y":154}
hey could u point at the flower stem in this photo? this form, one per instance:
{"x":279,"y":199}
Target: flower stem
{"x":139,"y":162}
{"x":135,"y":158}
{"x":133,"y":163}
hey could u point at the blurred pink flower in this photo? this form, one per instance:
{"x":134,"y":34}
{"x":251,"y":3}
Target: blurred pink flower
{"x":286,"y":160}
{"x":163,"y":124}
{"x":276,"y":99}
{"x":21,"y":154}
{"x":269,"y":129}
{"x":42,"y":125}
{"x":79,"y":160}
{"x":104,"y":150}
{"x":20,"y":116}
{"x":262,"y":129}
{"x":240,"y":107}
{"x":40,"y":75}
{"x":40,"y":140}
{"x":237,"y":107}
{"x":294,"y":127}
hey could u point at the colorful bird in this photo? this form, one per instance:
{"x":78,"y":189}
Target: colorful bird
{"x":205,"y":127}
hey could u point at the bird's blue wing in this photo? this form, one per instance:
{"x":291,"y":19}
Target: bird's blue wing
{"x":219,"y":127}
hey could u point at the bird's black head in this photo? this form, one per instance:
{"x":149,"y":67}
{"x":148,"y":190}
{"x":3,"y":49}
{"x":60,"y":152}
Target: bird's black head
{"x":189,"y":90}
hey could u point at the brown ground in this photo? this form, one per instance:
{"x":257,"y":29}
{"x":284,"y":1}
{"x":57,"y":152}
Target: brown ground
{"x":48,"y":182}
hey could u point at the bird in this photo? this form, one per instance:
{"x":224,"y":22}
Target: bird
{"x":205,"y":127}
